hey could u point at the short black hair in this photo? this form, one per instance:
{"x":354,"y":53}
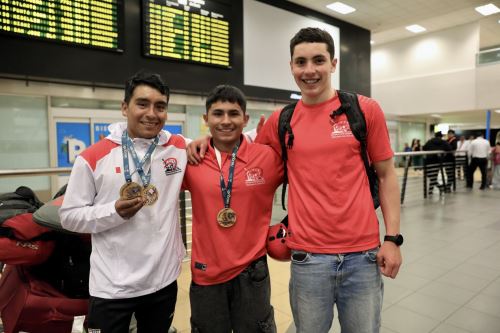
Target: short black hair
{"x":438,"y":134}
{"x":147,"y":78}
{"x":226,"y":93}
{"x":450,"y":131}
{"x":313,"y":35}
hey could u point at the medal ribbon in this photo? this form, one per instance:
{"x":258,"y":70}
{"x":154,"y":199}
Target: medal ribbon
{"x":128,"y":145}
{"x":226,"y":191}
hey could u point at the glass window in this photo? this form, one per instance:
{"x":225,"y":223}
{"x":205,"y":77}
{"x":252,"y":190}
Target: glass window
{"x":24,"y":140}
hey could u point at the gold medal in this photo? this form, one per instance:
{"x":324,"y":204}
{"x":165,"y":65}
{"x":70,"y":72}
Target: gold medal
{"x":130,"y":190}
{"x":150,"y":195}
{"x":226,"y":217}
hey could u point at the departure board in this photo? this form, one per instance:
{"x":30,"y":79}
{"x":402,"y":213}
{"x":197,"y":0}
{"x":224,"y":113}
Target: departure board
{"x":188,"y":30}
{"x":92,"y":23}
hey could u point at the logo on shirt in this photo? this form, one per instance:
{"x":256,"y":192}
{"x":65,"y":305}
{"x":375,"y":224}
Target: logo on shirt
{"x":340,"y":129}
{"x":254,"y":176}
{"x":170,"y":166}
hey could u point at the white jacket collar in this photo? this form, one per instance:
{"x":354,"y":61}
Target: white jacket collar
{"x":116,"y":131}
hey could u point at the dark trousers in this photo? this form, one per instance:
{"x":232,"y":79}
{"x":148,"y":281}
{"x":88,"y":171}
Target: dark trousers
{"x":240,"y":305}
{"x":154,"y":312}
{"x":474,"y":163}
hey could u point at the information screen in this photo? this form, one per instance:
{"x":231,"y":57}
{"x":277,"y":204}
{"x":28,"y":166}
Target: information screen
{"x":92,"y":23}
{"x":188,"y":30}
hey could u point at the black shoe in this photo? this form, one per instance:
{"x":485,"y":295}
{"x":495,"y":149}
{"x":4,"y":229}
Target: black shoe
{"x":482,"y":188}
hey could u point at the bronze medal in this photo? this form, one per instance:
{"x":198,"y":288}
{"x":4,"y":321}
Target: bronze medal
{"x":150,"y":194}
{"x":226,"y":217}
{"x":130,"y":190}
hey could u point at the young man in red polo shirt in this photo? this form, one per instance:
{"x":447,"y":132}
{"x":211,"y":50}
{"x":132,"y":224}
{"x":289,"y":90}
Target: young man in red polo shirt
{"x":232,"y":193}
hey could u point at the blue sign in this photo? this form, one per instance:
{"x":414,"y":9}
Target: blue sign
{"x":72,"y":139}
{"x":174,"y":129}
{"x":100,"y":131}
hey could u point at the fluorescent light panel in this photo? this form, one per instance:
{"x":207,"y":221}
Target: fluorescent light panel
{"x":341,"y":8}
{"x":415,"y":28}
{"x":488,"y":9}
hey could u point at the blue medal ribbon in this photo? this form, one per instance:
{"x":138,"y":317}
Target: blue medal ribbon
{"x":128,"y":145}
{"x":226,"y":191}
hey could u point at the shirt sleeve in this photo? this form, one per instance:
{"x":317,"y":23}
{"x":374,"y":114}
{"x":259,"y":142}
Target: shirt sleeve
{"x":78,"y":212}
{"x":378,"y":142}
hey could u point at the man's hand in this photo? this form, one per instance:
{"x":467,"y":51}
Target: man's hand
{"x":262,"y":120}
{"x":389,"y":259}
{"x":127,"y":208}
{"x":196,"y":149}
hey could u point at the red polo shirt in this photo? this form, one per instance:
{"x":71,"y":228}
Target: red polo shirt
{"x":330,"y":208}
{"x":220,"y":254}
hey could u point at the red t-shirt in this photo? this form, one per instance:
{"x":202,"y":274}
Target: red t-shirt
{"x":220,"y":254}
{"x":330,"y":208}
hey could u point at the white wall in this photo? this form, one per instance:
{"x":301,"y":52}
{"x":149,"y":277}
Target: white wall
{"x":434,"y":73}
{"x":267,"y":31}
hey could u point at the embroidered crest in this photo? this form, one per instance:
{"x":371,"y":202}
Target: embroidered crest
{"x":170,"y":166}
{"x":254,"y":176}
{"x":341,"y":129}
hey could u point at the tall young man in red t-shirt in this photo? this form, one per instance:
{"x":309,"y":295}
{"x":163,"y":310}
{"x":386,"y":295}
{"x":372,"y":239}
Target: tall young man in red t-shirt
{"x":232,"y":194}
{"x":334,"y":231}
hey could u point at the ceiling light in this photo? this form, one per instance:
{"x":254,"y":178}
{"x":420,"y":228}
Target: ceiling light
{"x":340,"y":7}
{"x":435,"y":115}
{"x":415,"y":28}
{"x":488,"y":9}
{"x":372,"y":42}
{"x":497,"y":111}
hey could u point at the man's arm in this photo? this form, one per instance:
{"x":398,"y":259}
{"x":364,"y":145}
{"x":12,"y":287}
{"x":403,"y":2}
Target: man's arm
{"x":389,"y":256}
{"x":79,"y":213}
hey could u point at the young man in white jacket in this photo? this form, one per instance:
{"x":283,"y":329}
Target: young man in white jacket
{"x":124,"y":191}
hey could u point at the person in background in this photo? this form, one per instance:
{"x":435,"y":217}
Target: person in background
{"x":232,"y":192}
{"x":434,"y":162}
{"x":495,"y":158}
{"x":450,"y":161}
{"x":124,"y":191}
{"x":479,"y":151}
{"x":462,"y":157}
{"x":417,"y":159}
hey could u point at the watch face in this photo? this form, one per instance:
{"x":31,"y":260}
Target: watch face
{"x":399,"y":239}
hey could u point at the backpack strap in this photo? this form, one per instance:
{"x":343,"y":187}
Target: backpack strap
{"x":357,"y":122}
{"x":284,"y":128}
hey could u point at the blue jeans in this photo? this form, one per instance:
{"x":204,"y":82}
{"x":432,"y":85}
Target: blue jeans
{"x":352,"y":281}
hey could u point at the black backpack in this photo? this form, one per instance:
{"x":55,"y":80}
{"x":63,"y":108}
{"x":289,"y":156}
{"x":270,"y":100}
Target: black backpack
{"x":22,"y":200}
{"x":349,"y":106}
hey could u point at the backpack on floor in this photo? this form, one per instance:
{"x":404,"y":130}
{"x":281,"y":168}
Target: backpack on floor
{"x":349,"y":106}
{"x":68,"y":268}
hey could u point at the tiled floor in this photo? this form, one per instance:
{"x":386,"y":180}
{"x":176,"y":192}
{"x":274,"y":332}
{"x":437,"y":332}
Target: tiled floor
{"x":450,"y":278}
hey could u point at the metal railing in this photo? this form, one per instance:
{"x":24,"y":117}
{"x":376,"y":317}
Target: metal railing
{"x":416,"y":176}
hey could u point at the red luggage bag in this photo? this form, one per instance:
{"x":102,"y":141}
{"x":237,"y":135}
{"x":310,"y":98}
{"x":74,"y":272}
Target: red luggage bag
{"x":31,"y":305}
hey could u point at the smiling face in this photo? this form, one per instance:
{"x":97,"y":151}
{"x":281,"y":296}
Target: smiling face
{"x":226,"y":121}
{"x":146,"y":112}
{"x":312,"y":68}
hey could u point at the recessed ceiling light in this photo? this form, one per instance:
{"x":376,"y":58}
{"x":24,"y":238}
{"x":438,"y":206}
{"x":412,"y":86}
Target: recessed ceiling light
{"x":415,"y":28}
{"x":435,"y":115}
{"x":488,"y":9}
{"x":372,"y":42}
{"x":497,"y":111}
{"x":340,"y":7}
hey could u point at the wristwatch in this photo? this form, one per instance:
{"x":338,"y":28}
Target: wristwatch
{"x":396,"y":239}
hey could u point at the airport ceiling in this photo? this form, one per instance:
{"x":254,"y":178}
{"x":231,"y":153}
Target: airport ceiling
{"x":387,"y":19}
